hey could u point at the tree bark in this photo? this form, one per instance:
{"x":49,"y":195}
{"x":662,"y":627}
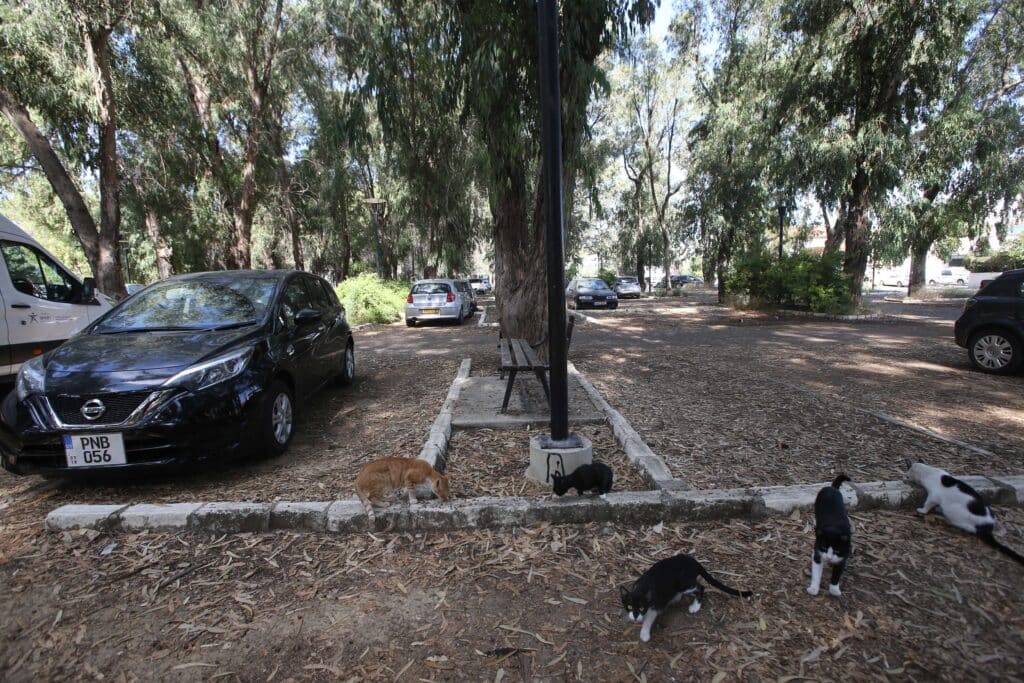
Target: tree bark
{"x":855,"y":232}
{"x":918,"y":265}
{"x":519,"y":260}
{"x":286,"y":198}
{"x":164,"y":267}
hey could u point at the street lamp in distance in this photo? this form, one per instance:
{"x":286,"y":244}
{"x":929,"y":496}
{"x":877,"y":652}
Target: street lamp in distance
{"x":373,"y":203}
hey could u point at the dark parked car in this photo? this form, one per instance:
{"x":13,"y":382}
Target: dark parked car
{"x":195,"y":368}
{"x":680,"y":280}
{"x":991,"y":327}
{"x":590,"y":293}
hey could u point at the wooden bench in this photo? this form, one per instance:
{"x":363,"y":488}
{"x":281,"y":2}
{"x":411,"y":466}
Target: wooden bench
{"x":519,"y":354}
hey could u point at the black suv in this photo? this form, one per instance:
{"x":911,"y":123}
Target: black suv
{"x":991,"y":327}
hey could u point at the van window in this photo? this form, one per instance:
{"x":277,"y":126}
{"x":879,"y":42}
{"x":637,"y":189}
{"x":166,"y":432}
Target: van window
{"x":35,"y":274}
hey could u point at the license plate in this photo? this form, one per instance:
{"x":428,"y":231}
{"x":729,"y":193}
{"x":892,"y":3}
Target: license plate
{"x":600,"y":303}
{"x":431,"y":311}
{"x":94,"y":450}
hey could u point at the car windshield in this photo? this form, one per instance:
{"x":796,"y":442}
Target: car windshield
{"x":592,"y":284}
{"x":430,"y":288}
{"x":192,"y":305}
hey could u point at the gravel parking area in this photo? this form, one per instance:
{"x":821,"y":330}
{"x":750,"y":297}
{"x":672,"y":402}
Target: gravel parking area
{"x":921,"y":601}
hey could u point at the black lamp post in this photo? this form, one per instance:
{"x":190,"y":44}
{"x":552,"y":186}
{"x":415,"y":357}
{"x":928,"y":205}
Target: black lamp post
{"x":551,"y":127}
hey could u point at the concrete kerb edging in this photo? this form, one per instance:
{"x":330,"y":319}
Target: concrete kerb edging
{"x":626,"y":507}
{"x":483,"y":317}
{"x":435,"y":449}
{"x":650,"y":465}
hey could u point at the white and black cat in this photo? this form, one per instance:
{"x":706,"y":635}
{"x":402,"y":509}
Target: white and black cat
{"x":593,"y":477}
{"x":961,"y":505}
{"x":664,"y":584}
{"x":833,"y":537}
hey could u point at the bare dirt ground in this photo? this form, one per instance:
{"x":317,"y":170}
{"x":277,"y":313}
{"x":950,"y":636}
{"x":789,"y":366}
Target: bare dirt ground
{"x":921,"y":601}
{"x":730,"y":400}
{"x":487,"y":462}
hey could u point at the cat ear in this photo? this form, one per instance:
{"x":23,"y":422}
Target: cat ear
{"x":623,"y":593}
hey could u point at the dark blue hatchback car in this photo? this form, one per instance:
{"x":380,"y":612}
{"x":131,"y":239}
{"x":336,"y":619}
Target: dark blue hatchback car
{"x":991,"y":327}
{"x":194,"y":368}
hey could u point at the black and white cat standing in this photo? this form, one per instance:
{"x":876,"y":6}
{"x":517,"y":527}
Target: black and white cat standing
{"x":833,"y":537}
{"x":960,"y":504}
{"x":664,"y":584}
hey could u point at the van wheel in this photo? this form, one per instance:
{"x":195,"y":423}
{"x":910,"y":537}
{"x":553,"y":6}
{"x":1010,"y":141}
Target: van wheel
{"x":994,"y":351}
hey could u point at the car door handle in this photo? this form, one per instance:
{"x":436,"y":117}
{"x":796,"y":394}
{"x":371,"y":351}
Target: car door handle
{"x":20,"y":306}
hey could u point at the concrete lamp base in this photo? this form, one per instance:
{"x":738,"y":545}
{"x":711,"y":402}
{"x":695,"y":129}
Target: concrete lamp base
{"x":547,"y":457}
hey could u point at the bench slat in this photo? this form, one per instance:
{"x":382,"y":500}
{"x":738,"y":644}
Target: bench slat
{"x":531,"y":356}
{"x":506,"y":354}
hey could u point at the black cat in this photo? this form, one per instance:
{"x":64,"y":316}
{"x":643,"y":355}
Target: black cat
{"x":593,"y":477}
{"x":833,"y":536}
{"x":664,"y":584}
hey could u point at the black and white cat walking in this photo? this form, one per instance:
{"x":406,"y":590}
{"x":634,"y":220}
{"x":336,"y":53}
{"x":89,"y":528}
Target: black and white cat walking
{"x":664,"y":584}
{"x":960,"y":504}
{"x":833,"y":537}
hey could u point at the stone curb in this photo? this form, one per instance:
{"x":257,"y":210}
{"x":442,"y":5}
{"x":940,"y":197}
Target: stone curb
{"x":830,"y":316}
{"x":650,"y":465}
{"x":436,"y":448}
{"x":483,"y":317}
{"x":626,"y":507}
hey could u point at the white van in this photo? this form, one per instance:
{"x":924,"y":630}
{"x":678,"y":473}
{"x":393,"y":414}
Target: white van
{"x":43,"y":303}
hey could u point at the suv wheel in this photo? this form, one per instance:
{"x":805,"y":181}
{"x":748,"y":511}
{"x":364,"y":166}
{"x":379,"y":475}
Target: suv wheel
{"x":994,"y":351}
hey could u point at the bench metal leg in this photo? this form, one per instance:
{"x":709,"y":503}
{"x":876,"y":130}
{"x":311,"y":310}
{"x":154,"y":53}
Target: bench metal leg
{"x":508,"y":389}
{"x":543,"y":377}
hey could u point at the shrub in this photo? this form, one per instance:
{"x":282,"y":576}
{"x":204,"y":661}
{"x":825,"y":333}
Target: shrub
{"x":803,"y":281}
{"x":368,"y":299}
{"x":606,"y":275}
{"x":1009,"y":257}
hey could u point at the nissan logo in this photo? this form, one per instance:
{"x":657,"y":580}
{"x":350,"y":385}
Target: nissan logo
{"x":93,"y":409}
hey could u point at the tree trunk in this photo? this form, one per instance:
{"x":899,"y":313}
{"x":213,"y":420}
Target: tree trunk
{"x":723,"y":256}
{"x":519,"y":258}
{"x":82,"y":222}
{"x":855,"y":231}
{"x":918,"y":265}
{"x":164,"y":268}
{"x":667,"y":255}
{"x":286,"y":198}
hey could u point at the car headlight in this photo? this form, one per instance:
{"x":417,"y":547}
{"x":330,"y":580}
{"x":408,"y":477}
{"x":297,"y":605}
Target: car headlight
{"x":611,"y":296}
{"x":213,"y":371}
{"x":31,"y":378}
{"x":585,"y":297}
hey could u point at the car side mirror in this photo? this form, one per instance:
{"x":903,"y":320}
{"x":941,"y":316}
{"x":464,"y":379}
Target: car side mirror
{"x":307,"y":316}
{"x":88,"y":290}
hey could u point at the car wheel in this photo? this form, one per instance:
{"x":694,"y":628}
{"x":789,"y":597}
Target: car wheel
{"x":348,"y":367}
{"x":278,"y":418}
{"x":994,"y":351}
{"x":960,"y":282}
{"x":612,"y":308}
{"x":931,"y":283}
{"x":410,"y":323}
{"x":899,"y":283}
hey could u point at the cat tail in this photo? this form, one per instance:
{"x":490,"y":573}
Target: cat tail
{"x":838,"y":481}
{"x":991,"y":540}
{"x":721,"y":586}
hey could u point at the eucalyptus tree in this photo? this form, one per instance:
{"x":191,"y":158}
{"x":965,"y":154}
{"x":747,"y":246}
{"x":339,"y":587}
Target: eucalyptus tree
{"x":497,"y":75}
{"x":967,"y":155}
{"x":58,"y":59}
{"x":862,"y":76}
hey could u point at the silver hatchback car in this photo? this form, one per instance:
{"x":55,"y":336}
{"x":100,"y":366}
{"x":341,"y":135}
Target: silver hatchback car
{"x":440,"y":299}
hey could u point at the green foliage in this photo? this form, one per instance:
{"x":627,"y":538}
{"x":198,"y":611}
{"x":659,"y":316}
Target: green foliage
{"x":803,"y":281}
{"x":368,"y":299}
{"x":606,"y":275}
{"x":1009,"y":257}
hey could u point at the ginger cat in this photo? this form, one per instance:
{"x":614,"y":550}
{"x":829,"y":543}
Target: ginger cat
{"x":380,"y":477}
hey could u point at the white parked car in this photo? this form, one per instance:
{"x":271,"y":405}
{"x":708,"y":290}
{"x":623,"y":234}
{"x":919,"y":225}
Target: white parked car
{"x":440,"y":299}
{"x":951,"y":275}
